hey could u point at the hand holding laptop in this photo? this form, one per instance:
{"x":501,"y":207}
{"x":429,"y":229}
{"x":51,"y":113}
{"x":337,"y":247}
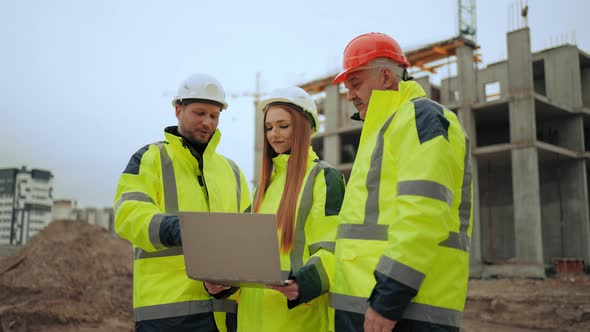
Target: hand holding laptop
{"x":290,"y":290}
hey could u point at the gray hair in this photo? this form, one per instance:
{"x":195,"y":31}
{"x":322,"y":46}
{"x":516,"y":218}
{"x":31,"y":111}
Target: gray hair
{"x":396,"y":69}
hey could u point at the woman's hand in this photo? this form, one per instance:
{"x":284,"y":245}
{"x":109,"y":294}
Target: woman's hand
{"x":290,"y":290}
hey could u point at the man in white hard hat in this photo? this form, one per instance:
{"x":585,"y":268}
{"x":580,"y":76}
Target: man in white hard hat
{"x":181,"y":173}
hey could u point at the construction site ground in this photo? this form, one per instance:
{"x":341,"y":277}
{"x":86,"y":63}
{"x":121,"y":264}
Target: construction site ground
{"x":78,"y":277}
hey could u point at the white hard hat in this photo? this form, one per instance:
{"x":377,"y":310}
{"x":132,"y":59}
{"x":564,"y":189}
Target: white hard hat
{"x":201,"y":86}
{"x":296,"y":96}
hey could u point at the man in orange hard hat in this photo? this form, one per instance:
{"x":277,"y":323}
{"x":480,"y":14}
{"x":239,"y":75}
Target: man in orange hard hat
{"x":402,"y":250}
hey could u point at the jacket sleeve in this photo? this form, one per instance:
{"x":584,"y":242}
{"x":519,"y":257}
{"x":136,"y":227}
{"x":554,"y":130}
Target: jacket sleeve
{"x":314,"y":278}
{"x":426,"y":166}
{"x":138,"y":201}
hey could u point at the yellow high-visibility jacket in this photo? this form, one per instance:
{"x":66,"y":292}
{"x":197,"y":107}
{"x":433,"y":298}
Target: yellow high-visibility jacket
{"x":310,"y":261}
{"x":160,"y":180}
{"x":405,"y":225}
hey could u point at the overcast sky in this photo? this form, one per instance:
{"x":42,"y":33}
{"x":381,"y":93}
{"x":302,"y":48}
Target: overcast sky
{"x":84,"y":84}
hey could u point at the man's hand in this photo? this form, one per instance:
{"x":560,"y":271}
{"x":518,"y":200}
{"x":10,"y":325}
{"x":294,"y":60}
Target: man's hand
{"x":377,"y":323}
{"x":290,"y":290}
{"x":215,"y":288}
{"x":170,"y":232}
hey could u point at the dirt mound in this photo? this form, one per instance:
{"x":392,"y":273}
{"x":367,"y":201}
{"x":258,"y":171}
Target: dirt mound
{"x":71,"y":276}
{"x":519,"y":305}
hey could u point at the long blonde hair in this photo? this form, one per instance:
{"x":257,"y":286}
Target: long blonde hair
{"x":296,"y":170}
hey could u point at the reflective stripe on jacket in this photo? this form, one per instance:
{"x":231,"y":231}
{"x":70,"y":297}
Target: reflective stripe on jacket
{"x":406,"y":216}
{"x":311,"y":259}
{"x":161,"y":179}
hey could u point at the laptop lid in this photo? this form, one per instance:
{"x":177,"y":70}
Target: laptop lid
{"x":238,"y":249}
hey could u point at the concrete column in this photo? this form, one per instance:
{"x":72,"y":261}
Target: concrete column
{"x":525,"y":164}
{"x":475,"y":253}
{"x":574,"y":190}
{"x":466,"y":74}
{"x":332,"y":148}
{"x":574,"y":198}
{"x":527,"y":212}
{"x":332,"y":108}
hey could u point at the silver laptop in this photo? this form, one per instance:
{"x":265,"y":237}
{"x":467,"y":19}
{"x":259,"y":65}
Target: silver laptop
{"x":237,"y":249}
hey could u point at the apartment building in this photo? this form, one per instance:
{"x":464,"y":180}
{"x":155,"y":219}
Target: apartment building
{"x":25,"y":203}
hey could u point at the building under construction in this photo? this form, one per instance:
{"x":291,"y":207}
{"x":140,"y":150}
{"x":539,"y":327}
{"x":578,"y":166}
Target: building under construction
{"x":528,"y":119}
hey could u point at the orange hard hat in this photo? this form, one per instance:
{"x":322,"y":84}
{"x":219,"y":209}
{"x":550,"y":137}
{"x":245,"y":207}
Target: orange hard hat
{"x":367,"y":47}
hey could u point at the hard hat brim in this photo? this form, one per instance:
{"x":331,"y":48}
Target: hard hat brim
{"x":340,"y":77}
{"x":222,"y":104}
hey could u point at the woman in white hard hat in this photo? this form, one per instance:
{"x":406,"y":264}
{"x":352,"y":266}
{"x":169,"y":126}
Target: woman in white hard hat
{"x":306,"y":194}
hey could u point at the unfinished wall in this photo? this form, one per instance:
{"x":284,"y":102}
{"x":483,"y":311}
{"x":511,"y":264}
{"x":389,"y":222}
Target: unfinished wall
{"x":497,"y":72}
{"x":564,"y":208}
{"x":551,"y":210}
{"x":496,"y":211}
{"x":562,"y":73}
{"x":562,"y":131}
{"x":575,"y":195}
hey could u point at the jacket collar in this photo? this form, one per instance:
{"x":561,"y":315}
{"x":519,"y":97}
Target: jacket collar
{"x":174,"y":138}
{"x":384,"y":104}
